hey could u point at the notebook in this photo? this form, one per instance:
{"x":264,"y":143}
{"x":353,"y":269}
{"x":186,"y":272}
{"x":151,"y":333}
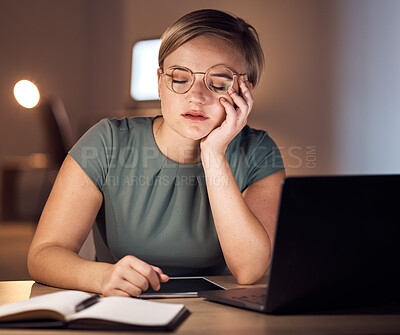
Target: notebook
{"x":337,"y":247}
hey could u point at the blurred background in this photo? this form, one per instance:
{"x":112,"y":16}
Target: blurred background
{"x":330,"y":95}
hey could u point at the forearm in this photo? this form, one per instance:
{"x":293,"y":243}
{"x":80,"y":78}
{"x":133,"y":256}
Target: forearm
{"x":57,"y":266}
{"x":244,"y":241}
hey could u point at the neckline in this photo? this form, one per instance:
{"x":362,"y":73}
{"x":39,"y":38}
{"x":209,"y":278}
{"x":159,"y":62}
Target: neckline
{"x":164,"y":157}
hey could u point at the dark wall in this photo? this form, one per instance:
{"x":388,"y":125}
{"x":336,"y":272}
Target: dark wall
{"x":318,"y":74}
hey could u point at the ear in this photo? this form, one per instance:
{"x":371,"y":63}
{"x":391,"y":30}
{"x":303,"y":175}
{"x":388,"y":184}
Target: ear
{"x":159,"y":78}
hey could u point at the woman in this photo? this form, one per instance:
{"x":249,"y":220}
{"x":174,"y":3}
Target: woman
{"x":191,"y":192}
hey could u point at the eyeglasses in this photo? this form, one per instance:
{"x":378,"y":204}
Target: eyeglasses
{"x":218,"y":79}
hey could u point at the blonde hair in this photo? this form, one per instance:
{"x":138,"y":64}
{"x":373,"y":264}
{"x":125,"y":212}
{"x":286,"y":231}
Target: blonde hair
{"x":220,"y":24}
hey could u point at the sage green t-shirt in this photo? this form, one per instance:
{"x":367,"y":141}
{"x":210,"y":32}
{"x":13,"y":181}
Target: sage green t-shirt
{"x":156,"y":209}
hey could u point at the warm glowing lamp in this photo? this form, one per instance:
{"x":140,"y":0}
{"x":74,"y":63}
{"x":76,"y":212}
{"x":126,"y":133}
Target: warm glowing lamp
{"x":58,"y":139}
{"x":26,"y":93}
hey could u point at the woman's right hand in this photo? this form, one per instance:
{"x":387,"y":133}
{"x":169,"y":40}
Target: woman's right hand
{"x":65,"y":223}
{"x":130,"y":276}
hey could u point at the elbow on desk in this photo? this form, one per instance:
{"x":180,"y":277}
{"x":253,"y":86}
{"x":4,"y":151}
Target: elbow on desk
{"x":248,"y":277}
{"x":247,"y":280}
{"x":37,"y":268}
{"x":248,"y":273}
{"x":32,"y":267}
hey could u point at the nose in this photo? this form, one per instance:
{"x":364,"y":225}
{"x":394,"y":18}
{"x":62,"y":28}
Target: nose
{"x":198,"y":93}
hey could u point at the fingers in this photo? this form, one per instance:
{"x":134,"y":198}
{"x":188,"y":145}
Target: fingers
{"x":161,"y":275}
{"x":245,"y":100}
{"x":246,"y":88}
{"x":237,"y":108}
{"x":131,"y":276}
{"x":145,"y":272}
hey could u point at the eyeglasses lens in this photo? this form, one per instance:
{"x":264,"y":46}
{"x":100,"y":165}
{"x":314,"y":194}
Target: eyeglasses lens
{"x":179,"y":80}
{"x":218,"y":80}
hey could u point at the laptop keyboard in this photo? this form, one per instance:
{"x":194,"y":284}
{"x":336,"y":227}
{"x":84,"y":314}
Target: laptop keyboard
{"x":258,"y":299}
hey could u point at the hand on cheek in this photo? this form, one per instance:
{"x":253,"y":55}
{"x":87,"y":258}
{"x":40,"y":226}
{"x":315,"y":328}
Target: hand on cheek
{"x":237,"y":108}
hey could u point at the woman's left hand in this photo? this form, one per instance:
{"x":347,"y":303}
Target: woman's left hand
{"x":218,"y":140}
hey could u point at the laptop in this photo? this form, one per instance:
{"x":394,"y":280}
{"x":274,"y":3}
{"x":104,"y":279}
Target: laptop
{"x":337,"y":247}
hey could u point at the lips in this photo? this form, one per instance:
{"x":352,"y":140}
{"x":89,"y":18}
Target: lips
{"x":195,"y":116}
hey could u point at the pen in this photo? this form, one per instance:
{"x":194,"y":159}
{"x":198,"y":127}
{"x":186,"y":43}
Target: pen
{"x":87,"y":303}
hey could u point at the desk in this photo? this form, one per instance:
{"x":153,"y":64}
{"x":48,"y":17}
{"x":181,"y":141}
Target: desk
{"x":209,"y":318}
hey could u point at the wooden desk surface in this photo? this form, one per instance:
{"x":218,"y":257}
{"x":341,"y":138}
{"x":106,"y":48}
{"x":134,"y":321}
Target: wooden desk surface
{"x":209,"y":318}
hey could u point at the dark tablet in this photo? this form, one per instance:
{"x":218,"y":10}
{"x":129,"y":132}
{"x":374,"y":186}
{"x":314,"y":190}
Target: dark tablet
{"x":178,"y":287}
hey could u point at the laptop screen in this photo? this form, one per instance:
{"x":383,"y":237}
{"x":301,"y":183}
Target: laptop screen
{"x":337,"y":243}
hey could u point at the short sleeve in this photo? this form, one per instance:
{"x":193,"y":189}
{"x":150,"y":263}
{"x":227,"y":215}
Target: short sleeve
{"x":93,"y":152}
{"x":253,"y":155}
{"x":265,"y":160}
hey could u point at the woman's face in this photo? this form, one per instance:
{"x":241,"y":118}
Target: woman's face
{"x":194,"y":114}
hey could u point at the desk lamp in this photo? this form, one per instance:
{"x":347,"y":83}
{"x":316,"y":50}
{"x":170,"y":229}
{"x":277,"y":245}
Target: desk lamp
{"x":26,"y":93}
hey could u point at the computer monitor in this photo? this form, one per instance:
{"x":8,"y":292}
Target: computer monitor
{"x":144,"y":70}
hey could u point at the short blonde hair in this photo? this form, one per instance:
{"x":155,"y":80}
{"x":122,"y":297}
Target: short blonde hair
{"x":220,"y":24}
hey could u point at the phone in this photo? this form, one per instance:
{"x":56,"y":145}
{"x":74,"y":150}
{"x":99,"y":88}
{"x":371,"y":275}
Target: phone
{"x":179,"y":287}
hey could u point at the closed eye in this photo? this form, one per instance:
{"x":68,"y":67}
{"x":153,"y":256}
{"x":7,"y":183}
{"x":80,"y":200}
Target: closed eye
{"x":174,"y":81}
{"x":217,"y":88}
